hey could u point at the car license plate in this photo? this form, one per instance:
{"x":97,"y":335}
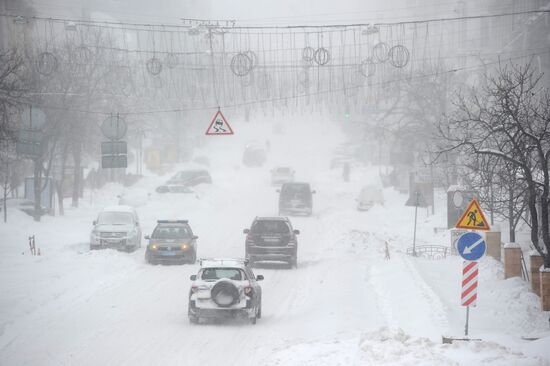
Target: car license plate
{"x":167,"y":253}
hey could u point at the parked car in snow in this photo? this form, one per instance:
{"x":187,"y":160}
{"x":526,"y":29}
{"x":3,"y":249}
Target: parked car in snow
{"x":282,"y":175}
{"x":271,"y":239}
{"x":184,"y":179}
{"x":254,"y":155}
{"x":369,"y":196}
{"x":116,"y":227}
{"x":172,"y":241}
{"x":295,"y":199}
{"x":225,"y":288}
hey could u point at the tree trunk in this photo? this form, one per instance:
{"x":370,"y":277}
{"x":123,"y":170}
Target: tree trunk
{"x":37,"y":189}
{"x":511,"y":216}
{"x":77,"y":156}
{"x":6,"y":201}
{"x":59,"y":183}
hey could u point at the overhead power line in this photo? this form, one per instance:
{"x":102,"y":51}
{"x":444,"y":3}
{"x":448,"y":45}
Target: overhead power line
{"x":305,"y":95}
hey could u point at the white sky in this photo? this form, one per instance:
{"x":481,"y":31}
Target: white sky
{"x":273,"y":12}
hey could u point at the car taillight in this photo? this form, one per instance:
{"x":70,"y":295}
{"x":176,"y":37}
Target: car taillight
{"x":249,"y":239}
{"x":194,"y":289}
{"x":248,"y":290}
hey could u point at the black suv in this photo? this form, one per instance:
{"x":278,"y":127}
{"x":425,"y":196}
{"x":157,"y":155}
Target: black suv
{"x":271,"y":239}
{"x":172,"y":241}
{"x":295,"y":199}
{"x":180,"y":182}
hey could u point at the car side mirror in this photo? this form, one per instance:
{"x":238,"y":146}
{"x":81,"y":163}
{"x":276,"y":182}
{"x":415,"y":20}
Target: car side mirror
{"x":195,"y":237}
{"x":296,"y":232}
{"x":147,"y":237}
{"x":259,"y":278}
{"x":193,"y":277}
{"x":94,"y":223}
{"x":246,"y":231}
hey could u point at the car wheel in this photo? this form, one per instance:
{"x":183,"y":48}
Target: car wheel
{"x":193,"y":320}
{"x":294,"y":262}
{"x":259,"y":314}
{"x":253,"y":319}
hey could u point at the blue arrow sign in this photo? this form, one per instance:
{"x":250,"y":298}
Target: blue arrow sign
{"x":471,"y":246}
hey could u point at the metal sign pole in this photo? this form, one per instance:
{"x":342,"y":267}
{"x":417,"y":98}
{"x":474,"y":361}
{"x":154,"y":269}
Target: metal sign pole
{"x":467,"y":319}
{"x":415,"y":216}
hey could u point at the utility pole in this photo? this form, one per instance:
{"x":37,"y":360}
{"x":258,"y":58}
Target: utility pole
{"x":415,"y":217}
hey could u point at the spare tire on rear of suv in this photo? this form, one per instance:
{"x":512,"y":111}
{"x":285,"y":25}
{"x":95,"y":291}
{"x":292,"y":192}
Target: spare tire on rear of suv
{"x":225,"y":294}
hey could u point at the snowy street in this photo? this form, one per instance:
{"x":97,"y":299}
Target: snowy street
{"x":345,"y":304}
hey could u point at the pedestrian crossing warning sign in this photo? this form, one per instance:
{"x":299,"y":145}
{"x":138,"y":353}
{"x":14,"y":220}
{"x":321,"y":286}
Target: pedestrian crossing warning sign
{"x":473,"y":218}
{"x":219,"y":126}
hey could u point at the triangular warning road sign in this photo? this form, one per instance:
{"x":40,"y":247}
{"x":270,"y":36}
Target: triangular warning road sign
{"x":473,"y":218}
{"x":219,"y":126}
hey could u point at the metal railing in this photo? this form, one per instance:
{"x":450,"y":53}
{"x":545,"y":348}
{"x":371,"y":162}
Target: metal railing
{"x":430,"y":251}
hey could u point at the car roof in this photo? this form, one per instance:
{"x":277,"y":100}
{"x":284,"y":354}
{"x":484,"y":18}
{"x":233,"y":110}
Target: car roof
{"x":119,"y":208}
{"x":271,"y":218}
{"x":223,"y":263}
{"x":193,"y":171}
{"x":295,"y":184}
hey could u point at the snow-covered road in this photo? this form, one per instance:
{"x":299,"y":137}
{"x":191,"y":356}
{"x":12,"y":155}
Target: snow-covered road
{"x":343,"y":305}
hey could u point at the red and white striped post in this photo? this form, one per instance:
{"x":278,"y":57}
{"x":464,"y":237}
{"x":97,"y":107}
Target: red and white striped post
{"x":469,"y":287}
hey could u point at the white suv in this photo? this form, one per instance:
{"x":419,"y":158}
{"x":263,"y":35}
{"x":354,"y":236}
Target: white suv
{"x":225,"y":288}
{"x":116,"y":227}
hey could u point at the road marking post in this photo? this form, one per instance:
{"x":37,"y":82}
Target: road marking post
{"x":469,"y":288}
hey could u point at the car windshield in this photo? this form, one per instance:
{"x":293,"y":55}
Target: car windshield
{"x":213,"y":274}
{"x":283,"y":170}
{"x":270,"y":227}
{"x":295,"y":190}
{"x":171,"y":232}
{"x":115,"y":218}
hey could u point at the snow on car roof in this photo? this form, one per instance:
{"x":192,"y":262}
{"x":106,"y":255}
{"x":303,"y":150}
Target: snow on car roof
{"x":280,"y":218}
{"x":119,"y":208}
{"x":222,"y":262}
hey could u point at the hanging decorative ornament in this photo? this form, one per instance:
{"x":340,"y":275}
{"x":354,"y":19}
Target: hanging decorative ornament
{"x":241,"y":64}
{"x":380,"y":52}
{"x":322,"y":56}
{"x":308,"y":53}
{"x":367,"y":67}
{"x":399,"y":56}
{"x":154,"y":66}
{"x":171,"y":60}
{"x":46,"y":63}
{"x":253,"y":58}
{"x":82,"y":55}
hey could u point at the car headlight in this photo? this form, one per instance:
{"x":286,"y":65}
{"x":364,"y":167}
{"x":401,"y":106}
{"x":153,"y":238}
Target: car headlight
{"x":153,"y":246}
{"x":184,"y":246}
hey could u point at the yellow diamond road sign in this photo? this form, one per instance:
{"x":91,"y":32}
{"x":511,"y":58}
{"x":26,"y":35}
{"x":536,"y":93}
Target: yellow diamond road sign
{"x":473,"y":218}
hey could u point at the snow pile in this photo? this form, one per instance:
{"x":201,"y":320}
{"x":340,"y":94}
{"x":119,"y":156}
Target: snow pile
{"x":387,"y":346}
{"x":394,"y":347}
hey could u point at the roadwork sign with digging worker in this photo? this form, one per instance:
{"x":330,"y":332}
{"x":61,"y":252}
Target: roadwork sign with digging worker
{"x":473,"y":218}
